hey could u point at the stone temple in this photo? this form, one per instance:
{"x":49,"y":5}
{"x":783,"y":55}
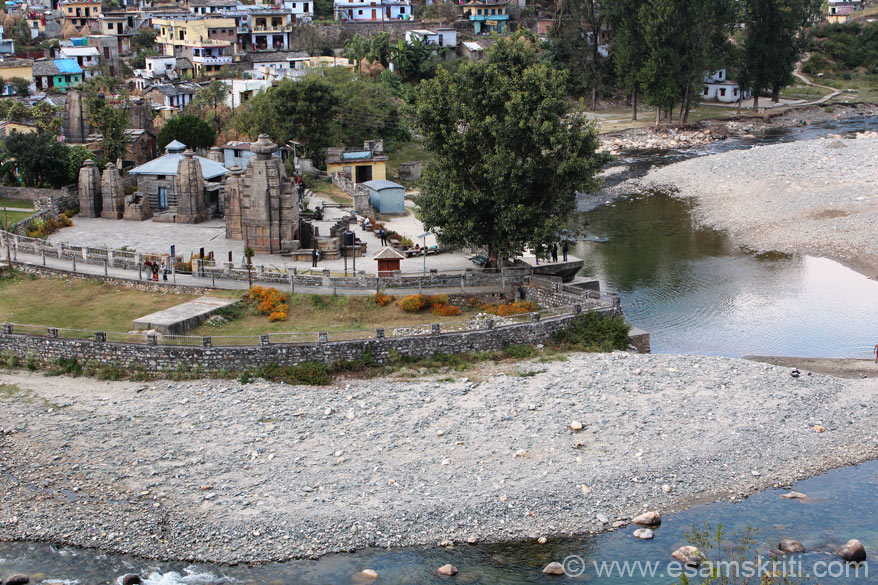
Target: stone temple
{"x":261,"y":203}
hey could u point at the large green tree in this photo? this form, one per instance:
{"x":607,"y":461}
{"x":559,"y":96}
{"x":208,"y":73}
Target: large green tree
{"x":509,"y":156}
{"x":413,"y":61}
{"x":629,"y":47}
{"x":36,"y":160}
{"x":294,"y":110}
{"x":108,"y":114}
{"x":188,"y":129}
{"x":684,"y":39}
{"x":773,"y":41}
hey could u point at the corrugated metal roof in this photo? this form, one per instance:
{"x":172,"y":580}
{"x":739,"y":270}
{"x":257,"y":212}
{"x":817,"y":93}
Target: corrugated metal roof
{"x":379,"y":184}
{"x":167,"y":165}
{"x":68,"y":66}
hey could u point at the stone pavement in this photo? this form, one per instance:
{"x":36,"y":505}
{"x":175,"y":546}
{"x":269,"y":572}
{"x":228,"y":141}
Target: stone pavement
{"x":153,"y":237}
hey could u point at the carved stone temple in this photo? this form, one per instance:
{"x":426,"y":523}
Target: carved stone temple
{"x":268,"y":219}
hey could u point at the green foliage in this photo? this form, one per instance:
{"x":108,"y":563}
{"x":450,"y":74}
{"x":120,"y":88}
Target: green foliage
{"x":21,"y":86}
{"x":139,"y":59}
{"x":36,"y":160}
{"x":595,"y":332}
{"x":144,"y":39}
{"x":629,"y":47}
{"x":305,"y":373}
{"x":573,"y":45}
{"x":69,"y":366}
{"x":520,"y":351}
{"x":773,"y":42}
{"x":109,"y":117}
{"x":371,"y":48}
{"x":188,"y":129}
{"x":508,"y":158}
{"x":413,"y":61}
{"x":841,"y":48}
{"x":32,"y":361}
{"x":9,"y":359}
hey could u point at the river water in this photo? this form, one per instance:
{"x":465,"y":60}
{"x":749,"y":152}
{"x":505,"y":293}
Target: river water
{"x":695,"y":292}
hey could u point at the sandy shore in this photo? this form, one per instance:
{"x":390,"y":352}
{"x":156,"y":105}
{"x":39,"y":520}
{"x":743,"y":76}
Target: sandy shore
{"x":817,"y":197}
{"x":838,"y":367}
{"x":216,"y":471}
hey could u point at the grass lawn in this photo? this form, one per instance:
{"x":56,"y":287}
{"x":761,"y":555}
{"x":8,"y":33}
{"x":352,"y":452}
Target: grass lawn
{"x":327,"y":313}
{"x":77,"y":304}
{"x":333,"y":192}
{"x":14,"y":216}
{"x":16,"y":203}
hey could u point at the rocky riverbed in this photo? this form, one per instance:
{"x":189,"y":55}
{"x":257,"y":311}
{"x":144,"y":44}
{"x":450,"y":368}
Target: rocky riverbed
{"x":817,"y":197}
{"x":219,"y":471}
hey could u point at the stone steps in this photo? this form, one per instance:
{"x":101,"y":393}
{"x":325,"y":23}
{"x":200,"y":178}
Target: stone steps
{"x":181,"y":318}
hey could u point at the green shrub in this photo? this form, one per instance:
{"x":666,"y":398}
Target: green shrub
{"x":9,"y":359}
{"x":520,"y":351}
{"x":595,"y":332}
{"x":32,"y":361}
{"x":110,"y":372}
{"x":69,"y":366}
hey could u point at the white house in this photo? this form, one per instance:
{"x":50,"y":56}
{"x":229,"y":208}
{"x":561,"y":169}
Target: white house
{"x":211,"y":6}
{"x":241,"y":90}
{"x":88,"y":59}
{"x":718,"y":88}
{"x":156,"y":68}
{"x":373,"y":10}
{"x":276,"y":64}
{"x":302,"y":9}
{"x":440,"y":38}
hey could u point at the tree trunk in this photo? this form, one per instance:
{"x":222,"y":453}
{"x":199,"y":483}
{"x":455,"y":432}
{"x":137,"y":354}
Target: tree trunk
{"x":634,"y":103}
{"x":775,"y":94}
{"x":658,"y":115}
{"x":671,"y":115}
{"x":755,"y":102}
{"x":594,"y":97}
{"x":740,"y":100}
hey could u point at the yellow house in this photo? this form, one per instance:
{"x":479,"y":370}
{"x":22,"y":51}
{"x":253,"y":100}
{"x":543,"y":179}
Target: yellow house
{"x":359,"y":164}
{"x":208,"y":42}
{"x":23,"y":68}
{"x":7,"y":128}
{"x":79,"y":12}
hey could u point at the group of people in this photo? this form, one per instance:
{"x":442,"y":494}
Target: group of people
{"x":155,"y":268}
{"x":552,"y":252}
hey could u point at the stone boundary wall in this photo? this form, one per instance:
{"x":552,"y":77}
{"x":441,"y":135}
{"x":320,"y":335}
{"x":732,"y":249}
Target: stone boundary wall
{"x":33,"y":193}
{"x":161,"y":359}
{"x":140,"y":285}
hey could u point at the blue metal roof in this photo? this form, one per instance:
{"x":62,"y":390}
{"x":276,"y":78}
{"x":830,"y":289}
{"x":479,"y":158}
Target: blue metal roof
{"x":167,"y":165}
{"x":355,"y":155}
{"x":67,"y":66}
{"x":380,"y":184}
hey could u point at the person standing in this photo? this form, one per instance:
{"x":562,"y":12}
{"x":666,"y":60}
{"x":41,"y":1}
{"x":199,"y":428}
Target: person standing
{"x":315,"y":255}
{"x":383,"y":237}
{"x":565,"y":247}
{"x":164,"y":270}
{"x":554,"y":252}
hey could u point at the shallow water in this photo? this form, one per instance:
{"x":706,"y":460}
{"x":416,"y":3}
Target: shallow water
{"x":695,"y":292}
{"x":840,"y":506}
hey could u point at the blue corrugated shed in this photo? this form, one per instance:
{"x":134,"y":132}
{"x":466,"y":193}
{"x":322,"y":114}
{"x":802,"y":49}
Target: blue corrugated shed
{"x":80,"y":42}
{"x":68,"y":66}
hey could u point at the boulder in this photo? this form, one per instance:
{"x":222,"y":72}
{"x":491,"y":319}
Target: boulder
{"x":648,"y":519}
{"x":554,"y":568}
{"x":788,"y":545}
{"x":448,"y":570}
{"x":17,"y":580}
{"x":794,"y":496}
{"x":368,"y":574}
{"x":689,"y":556}
{"x":643,"y":534}
{"x":852,"y":551}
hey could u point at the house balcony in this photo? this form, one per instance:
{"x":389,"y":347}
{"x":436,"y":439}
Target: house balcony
{"x":484,"y":17}
{"x":212,"y":60}
{"x":281,"y":28}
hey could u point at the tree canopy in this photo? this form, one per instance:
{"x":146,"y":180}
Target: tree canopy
{"x":188,"y":129}
{"x":39,"y":160}
{"x":509,"y":156}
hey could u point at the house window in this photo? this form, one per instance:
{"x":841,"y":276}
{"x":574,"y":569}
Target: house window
{"x":402,"y":9}
{"x":706,"y":91}
{"x":160,"y":177}
{"x":722,"y":91}
{"x":360,"y":12}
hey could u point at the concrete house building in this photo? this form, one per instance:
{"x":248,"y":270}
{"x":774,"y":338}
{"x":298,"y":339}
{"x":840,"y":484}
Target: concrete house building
{"x":80,"y":12}
{"x":58,"y":73}
{"x":441,"y":38}
{"x":718,"y":88}
{"x":487,"y":16}
{"x":88,"y":59}
{"x":173,"y":96}
{"x":208,"y":42}
{"x":359,"y":164}
{"x":372,"y":10}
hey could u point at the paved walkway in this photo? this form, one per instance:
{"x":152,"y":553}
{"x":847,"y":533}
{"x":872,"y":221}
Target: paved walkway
{"x":66,"y":265}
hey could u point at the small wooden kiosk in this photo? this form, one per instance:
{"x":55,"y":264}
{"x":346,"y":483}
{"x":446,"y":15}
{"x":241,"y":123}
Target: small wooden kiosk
{"x":388,"y":261}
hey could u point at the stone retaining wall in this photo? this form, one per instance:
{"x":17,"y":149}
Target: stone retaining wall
{"x":32,"y":193}
{"x":165,"y":359}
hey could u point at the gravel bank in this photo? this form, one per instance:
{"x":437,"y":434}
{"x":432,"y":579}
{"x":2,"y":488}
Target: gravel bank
{"x":216,"y":471}
{"x":817,"y":197}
